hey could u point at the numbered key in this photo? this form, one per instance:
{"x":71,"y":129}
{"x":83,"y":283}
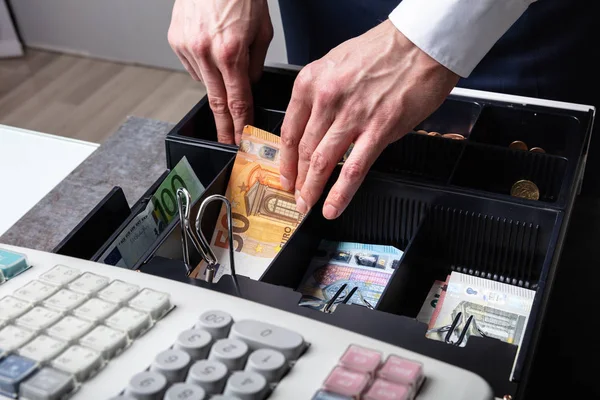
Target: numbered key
{"x":70,"y":328}
{"x":64,"y":300}
{"x":43,"y":348}
{"x":231,"y":352}
{"x":172,"y":363}
{"x":47,"y":384}
{"x":12,"y":337}
{"x":118,"y":292}
{"x":128,"y":320}
{"x":35,"y":291}
{"x":11,"y":307}
{"x":269,"y":363}
{"x":105,"y":340}
{"x":147,"y":385}
{"x":247,"y":385}
{"x":88,"y":283}
{"x":95,"y":310}
{"x":60,"y":275}
{"x":13,"y":370}
{"x":185,"y":391}
{"x":209,"y":375}
{"x":262,"y":335}
{"x":78,"y":361}
{"x":154,"y":303}
{"x":195,"y":342}
{"x":38,"y":318}
{"x":216,"y":322}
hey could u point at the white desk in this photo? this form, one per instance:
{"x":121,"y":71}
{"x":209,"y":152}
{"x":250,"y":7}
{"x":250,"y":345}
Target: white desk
{"x":32,"y":164}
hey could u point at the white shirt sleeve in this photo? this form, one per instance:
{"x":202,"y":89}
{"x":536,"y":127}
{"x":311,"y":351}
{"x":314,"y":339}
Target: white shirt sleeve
{"x":456,"y":33}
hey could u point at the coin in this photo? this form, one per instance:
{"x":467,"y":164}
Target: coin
{"x":519,"y":145}
{"x":537,"y":150}
{"x":455,"y":136}
{"x":434,"y":134}
{"x":423,"y":132}
{"x":525,"y":189}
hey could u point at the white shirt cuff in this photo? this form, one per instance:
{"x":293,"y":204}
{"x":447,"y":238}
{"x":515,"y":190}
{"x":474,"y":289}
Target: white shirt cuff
{"x":456,"y":33}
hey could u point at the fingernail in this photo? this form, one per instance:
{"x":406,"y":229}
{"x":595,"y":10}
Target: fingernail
{"x":301,"y":205}
{"x":330,"y":212}
{"x":285,"y":182}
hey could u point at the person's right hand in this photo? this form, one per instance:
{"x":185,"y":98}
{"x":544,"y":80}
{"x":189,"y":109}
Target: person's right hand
{"x":223,"y":43}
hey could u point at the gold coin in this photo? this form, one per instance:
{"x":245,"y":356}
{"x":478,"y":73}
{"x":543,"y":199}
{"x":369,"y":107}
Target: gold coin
{"x":537,"y":150}
{"x":455,"y":136}
{"x":519,"y":145}
{"x":525,"y":189}
{"x":434,"y":134}
{"x":422,"y":132}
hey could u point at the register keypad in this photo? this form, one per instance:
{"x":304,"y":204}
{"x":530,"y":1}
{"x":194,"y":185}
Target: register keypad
{"x":219,"y":357}
{"x":59,"y":330}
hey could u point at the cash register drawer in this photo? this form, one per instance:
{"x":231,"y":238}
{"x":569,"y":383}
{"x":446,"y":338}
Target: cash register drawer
{"x":446,"y":203}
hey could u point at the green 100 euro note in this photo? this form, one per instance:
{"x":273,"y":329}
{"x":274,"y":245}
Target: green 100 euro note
{"x":143,"y":230}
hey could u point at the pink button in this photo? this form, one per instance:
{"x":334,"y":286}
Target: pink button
{"x":400,"y":370}
{"x":361,"y":359}
{"x":346,"y":382}
{"x":384,"y":390}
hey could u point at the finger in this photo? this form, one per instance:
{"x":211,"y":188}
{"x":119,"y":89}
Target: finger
{"x":362,"y":157}
{"x":259,"y":48}
{"x":294,"y":122}
{"x":193,"y":70}
{"x":217,"y":99}
{"x":322,"y":163}
{"x":239,"y":95}
{"x":319,"y":123}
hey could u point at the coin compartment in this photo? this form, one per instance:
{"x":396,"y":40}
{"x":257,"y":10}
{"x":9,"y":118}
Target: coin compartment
{"x":555,"y":133}
{"x":452,"y":116}
{"x":496,"y":169}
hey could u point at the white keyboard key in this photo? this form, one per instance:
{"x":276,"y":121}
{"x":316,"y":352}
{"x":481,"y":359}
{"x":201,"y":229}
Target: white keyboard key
{"x":269,"y":363}
{"x":35,"y":291}
{"x":172,"y":363}
{"x":185,"y":391}
{"x":129,"y":320}
{"x":64,"y":300}
{"x":195,"y":342}
{"x":11,"y":307}
{"x":118,"y":292}
{"x":259,"y":335}
{"x":105,"y":340}
{"x":60,"y":275}
{"x":154,"y":303}
{"x":209,"y":375}
{"x":78,"y":361}
{"x":95,"y":309}
{"x":47,"y":384}
{"x":70,"y":328}
{"x":43,"y":348}
{"x":147,"y":385}
{"x":88,"y":283}
{"x":216,"y":322}
{"x":12,"y":337}
{"x":38,"y":318}
{"x":231,"y":352}
{"x":246,"y":385}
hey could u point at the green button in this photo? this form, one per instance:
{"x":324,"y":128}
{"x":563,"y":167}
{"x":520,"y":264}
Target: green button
{"x":12,"y":264}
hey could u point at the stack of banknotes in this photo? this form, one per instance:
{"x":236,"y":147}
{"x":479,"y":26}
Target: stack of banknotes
{"x":498,"y":310}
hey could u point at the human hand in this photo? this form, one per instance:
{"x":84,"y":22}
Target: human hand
{"x":223,"y":44}
{"x":370,"y":91}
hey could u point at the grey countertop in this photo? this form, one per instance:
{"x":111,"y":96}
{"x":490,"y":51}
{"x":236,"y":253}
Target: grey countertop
{"x":132,"y":158}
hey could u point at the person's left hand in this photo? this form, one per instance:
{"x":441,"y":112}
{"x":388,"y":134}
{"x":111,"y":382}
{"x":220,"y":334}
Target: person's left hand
{"x":370,"y":91}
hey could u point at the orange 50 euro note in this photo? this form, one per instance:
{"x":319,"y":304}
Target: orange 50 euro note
{"x":264,"y":215}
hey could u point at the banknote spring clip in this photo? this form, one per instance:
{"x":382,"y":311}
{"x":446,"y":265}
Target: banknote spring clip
{"x":455,"y":323}
{"x":210,"y":257}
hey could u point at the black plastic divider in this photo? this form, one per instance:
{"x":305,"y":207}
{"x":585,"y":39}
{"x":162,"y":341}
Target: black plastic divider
{"x":421,"y":157}
{"x":496,"y":169}
{"x":93,"y":230}
{"x":452,"y":116}
{"x":206,"y":161}
{"x":555,"y":133}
